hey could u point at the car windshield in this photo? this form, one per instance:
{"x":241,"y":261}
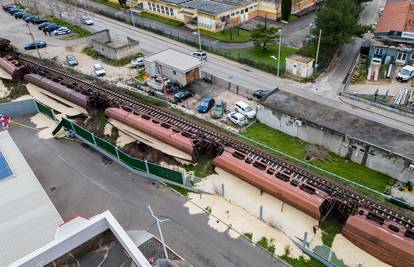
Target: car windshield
{"x":405,"y":72}
{"x":242,"y":119}
{"x":218,"y":108}
{"x":98,"y":67}
{"x":180,"y":94}
{"x":248,"y":109}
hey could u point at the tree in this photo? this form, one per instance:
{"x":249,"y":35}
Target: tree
{"x":286,"y":9}
{"x":122,"y":3}
{"x":339,"y":22}
{"x":262,"y":36}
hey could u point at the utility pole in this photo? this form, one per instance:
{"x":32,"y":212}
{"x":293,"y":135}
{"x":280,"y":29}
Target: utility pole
{"x":279,"y":50}
{"x":199,"y":36}
{"x":159,"y":229}
{"x":310,"y":32}
{"x":132,"y":17}
{"x":33,"y":39}
{"x":317,"y":50}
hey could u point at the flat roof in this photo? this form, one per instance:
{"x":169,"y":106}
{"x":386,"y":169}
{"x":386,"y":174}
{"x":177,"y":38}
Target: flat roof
{"x":28,"y":218}
{"x":208,"y":6}
{"x":300,"y":58}
{"x":343,"y":122}
{"x":175,"y":59}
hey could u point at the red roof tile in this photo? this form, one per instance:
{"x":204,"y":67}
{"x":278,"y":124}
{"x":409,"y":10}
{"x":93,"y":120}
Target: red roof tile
{"x":397,"y":16}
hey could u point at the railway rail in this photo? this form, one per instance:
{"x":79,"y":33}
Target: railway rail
{"x":346,"y":196}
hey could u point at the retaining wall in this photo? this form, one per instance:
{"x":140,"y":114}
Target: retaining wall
{"x":359,"y":151}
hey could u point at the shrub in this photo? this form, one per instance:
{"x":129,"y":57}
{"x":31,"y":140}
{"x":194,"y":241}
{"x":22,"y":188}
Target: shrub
{"x":248,"y":235}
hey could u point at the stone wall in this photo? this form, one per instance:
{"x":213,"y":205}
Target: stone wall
{"x":102,"y":43}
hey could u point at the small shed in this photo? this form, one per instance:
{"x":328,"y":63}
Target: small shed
{"x":174,"y":65}
{"x":299,"y":65}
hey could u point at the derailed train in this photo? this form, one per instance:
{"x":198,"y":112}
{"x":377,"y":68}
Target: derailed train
{"x":379,"y":235}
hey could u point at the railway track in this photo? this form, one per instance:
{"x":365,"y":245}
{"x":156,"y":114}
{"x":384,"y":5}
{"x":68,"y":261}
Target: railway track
{"x":347,"y":196}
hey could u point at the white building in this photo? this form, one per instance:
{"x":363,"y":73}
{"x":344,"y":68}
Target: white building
{"x":176,"y":66}
{"x":299,"y":65}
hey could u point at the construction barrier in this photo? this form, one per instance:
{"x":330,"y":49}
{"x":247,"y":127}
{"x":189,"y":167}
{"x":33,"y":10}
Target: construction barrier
{"x":142,"y":167}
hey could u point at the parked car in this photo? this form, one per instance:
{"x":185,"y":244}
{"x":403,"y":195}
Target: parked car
{"x":72,"y":61}
{"x":259,"y":94}
{"x":19,"y":15}
{"x":245,"y":109}
{"x":99,"y":70}
{"x":26,"y":16}
{"x":405,"y":73}
{"x":51,"y":27}
{"x":6,"y":7}
{"x":183,"y":95}
{"x":200,"y":54}
{"x":61,"y":31}
{"x":38,"y":20}
{"x":238,"y":119}
{"x":218,"y":109}
{"x":137,"y":62}
{"x":29,"y":18}
{"x":13,"y":11}
{"x":86,"y":20}
{"x":33,"y":45}
{"x":206,"y":104}
{"x":43,"y":25}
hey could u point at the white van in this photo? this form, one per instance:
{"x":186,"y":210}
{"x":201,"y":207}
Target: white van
{"x":245,"y":109}
{"x":405,"y":73}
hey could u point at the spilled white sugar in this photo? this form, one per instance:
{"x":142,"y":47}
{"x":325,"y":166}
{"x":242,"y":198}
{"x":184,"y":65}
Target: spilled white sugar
{"x":44,"y":123}
{"x":4,"y":91}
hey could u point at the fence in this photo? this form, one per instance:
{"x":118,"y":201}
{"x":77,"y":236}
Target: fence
{"x":140,"y":167}
{"x":189,"y":39}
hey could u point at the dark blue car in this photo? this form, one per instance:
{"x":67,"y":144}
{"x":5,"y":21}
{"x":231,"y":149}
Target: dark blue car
{"x":12,"y":11}
{"x":6,"y":7}
{"x":38,"y":44}
{"x":206,"y":104}
{"x":51,"y":27}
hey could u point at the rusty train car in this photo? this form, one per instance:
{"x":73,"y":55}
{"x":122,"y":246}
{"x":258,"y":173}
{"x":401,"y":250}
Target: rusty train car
{"x":382,"y":238}
{"x":58,"y":88}
{"x":162,"y":131}
{"x":12,"y":66}
{"x":277,"y":183}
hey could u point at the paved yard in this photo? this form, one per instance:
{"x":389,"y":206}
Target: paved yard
{"x":80,"y":181}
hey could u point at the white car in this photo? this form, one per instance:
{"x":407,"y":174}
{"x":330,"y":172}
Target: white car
{"x":245,"y":109}
{"x":137,"y":62}
{"x":238,"y":119}
{"x":86,"y":20}
{"x":61,"y":31}
{"x":202,"y":55}
{"x":99,"y":70}
{"x":405,"y":73}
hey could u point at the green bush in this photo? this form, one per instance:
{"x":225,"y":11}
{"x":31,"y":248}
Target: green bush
{"x":248,"y":235}
{"x":263,"y":242}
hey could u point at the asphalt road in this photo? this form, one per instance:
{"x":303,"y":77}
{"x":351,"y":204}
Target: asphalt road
{"x":324,"y":90}
{"x":80,"y":182}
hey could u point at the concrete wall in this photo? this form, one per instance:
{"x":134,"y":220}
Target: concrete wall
{"x":18,"y":108}
{"x":358,"y":151}
{"x":101,"y":43}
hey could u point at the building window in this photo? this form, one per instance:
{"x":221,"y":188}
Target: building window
{"x":379,"y":51}
{"x":162,"y":9}
{"x":412,"y":56}
{"x":172,"y":12}
{"x":401,"y":56}
{"x":246,"y":10}
{"x":242,"y":12}
{"x":158,"y":9}
{"x":174,"y":72}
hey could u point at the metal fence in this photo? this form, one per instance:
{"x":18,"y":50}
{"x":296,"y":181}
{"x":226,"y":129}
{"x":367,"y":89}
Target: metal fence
{"x":140,"y":167}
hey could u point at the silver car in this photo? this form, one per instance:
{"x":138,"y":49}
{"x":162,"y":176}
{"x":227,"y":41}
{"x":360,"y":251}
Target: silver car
{"x":86,"y":20}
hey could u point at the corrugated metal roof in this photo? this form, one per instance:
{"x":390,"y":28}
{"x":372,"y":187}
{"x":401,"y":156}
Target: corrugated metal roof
{"x":28,"y":218}
{"x":175,"y":59}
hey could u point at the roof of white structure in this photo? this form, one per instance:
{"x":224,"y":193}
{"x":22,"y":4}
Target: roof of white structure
{"x":175,"y":59}
{"x":28,"y":218}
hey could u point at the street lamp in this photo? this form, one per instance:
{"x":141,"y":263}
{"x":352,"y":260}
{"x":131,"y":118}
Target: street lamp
{"x":159,"y":229}
{"x":280,"y":48}
{"x":33,"y":39}
{"x":310,"y":32}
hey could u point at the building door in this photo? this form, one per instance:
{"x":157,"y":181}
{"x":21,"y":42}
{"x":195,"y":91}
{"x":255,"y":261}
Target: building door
{"x":401,"y":57}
